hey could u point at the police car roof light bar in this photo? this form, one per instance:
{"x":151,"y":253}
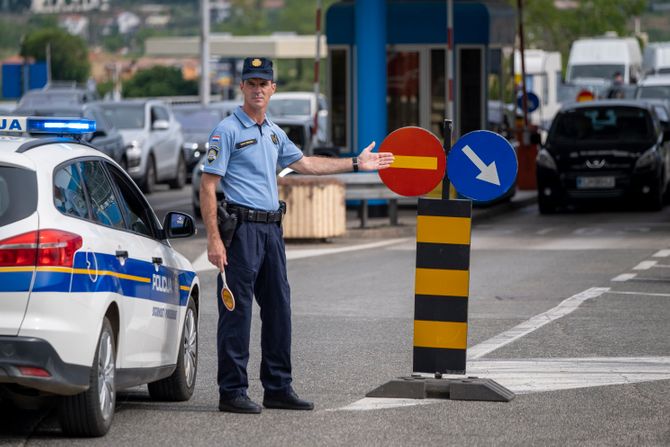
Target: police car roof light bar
{"x":50,"y":125}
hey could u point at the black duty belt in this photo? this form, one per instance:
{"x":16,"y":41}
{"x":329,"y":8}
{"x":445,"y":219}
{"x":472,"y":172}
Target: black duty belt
{"x":252,"y":215}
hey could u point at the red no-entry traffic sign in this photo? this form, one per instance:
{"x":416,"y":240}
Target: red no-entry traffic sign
{"x":419,"y":161}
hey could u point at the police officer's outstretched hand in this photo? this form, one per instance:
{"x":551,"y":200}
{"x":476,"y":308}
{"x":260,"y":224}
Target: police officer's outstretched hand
{"x":374,"y":161}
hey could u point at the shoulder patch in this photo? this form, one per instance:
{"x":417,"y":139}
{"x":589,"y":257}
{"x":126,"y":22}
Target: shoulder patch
{"x":215,"y":138}
{"x":212,"y":154}
{"x":246,"y":143}
{"x":275,"y":140}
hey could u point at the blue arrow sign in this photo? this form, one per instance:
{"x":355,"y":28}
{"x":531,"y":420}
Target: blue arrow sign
{"x":482,"y":165}
{"x":533,"y":101}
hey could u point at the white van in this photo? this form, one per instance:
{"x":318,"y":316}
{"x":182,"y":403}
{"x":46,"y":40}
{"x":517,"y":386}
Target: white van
{"x":596,"y":60}
{"x":656,"y":58}
{"x":543,"y":77}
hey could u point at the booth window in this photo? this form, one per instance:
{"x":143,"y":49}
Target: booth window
{"x":438,"y":97}
{"x":402,"y":91}
{"x":338,"y":97}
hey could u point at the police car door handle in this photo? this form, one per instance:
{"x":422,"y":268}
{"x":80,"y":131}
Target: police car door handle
{"x":122,"y":254}
{"x":158,"y":261}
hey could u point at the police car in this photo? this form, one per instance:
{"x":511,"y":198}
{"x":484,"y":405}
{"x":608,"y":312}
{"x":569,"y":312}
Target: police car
{"x":92,"y":296}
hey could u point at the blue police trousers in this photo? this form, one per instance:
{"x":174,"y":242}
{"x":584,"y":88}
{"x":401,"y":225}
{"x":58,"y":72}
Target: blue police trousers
{"x":256,"y":267}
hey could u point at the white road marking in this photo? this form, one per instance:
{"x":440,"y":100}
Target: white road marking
{"x":545,"y":231}
{"x":566,"y":307}
{"x":382,"y":403}
{"x":525,"y":376}
{"x":624,"y":277}
{"x":541,"y":375}
{"x":308,"y":253}
{"x":645,"y":265}
{"x":662,"y":253}
{"x":663,"y":266}
{"x":640,"y":293}
{"x":202,"y":264}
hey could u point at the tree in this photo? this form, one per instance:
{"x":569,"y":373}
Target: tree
{"x":555,"y":29}
{"x":159,"y":81}
{"x":69,"y":54}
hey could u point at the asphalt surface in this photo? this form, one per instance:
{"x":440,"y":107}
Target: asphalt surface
{"x":590,"y":370}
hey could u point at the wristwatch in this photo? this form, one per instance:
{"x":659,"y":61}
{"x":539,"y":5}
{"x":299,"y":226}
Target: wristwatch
{"x":354,"y":161}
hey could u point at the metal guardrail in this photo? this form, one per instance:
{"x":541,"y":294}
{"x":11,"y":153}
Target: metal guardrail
{"x":366,"y":187}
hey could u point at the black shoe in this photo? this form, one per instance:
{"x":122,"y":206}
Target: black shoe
{"x":289,"y":401}
{"x":239,"y":404}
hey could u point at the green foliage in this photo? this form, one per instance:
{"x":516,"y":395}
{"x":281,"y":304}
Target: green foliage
{"x":104,"y":87}
{"x":549,"y":28}
{"x":69,"y":54}
{"x":159,"y":81}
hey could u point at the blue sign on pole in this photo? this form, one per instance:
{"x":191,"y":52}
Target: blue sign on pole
{"x":533,"y":101}
{"x":482,"y":165}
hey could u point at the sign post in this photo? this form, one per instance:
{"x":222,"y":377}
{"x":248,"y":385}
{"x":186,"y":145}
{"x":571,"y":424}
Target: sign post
{"x":442,"y":274}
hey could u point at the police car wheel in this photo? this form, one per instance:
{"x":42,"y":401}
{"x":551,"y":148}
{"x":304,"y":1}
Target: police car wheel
{"x":180,"y":385}
{"x":180,"y":176}
{"x":90,"y":413}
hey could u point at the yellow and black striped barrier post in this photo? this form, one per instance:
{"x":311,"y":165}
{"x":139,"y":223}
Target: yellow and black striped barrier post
{"x":441,"y":290}
{"x":441,"y":285}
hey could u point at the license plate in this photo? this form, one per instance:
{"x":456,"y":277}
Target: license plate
{"x":595,"y":182}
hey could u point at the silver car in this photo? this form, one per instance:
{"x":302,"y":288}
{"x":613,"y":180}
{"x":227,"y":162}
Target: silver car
{"x":153,"y":139}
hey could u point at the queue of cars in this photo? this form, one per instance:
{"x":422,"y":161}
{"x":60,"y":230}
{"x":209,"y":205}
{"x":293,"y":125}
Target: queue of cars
{"x":606,"y":149}
{"x":93,"y":298}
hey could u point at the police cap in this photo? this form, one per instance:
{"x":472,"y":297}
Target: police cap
{"x":257,"y":67}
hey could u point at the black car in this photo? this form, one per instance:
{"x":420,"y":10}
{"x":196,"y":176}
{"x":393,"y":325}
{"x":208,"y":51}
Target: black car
{"x":608,"y":149}
{"x":106,"y":137}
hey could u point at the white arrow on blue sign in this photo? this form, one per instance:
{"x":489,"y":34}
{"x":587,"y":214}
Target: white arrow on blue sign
{"x":532,"y":100}
{"x":482,"y":165}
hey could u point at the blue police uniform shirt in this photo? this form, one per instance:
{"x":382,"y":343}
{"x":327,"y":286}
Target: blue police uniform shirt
{"x":245,"y":155}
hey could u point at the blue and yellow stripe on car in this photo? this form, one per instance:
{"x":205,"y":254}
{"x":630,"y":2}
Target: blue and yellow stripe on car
{"x":135,"y":278}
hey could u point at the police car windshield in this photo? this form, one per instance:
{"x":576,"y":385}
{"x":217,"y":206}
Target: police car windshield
{"x":125,"y":116}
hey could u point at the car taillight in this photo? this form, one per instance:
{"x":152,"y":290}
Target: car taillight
{"x":40,"y":248}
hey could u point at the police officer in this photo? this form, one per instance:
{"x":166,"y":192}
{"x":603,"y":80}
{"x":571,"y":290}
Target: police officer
{"x":244,"y":151}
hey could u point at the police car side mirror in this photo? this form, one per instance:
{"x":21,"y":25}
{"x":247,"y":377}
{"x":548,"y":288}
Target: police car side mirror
{"x":176,"y":225}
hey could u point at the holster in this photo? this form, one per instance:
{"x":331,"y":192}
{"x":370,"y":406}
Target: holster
{"x":227,"y":223}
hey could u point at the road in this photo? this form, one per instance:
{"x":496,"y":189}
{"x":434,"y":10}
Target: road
{"x":569,"y":311}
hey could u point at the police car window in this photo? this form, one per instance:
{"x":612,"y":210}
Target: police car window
{"x":69,"y":196}
{"x":139,"y":215}
{"x":18,"y":194}
{"x":104,"y":203}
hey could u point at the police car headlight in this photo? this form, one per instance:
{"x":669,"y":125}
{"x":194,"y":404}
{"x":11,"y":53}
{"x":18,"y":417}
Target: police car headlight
{"x":545,"y":160}
{"x":647,"y":160}
{"x":190,"y":146}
